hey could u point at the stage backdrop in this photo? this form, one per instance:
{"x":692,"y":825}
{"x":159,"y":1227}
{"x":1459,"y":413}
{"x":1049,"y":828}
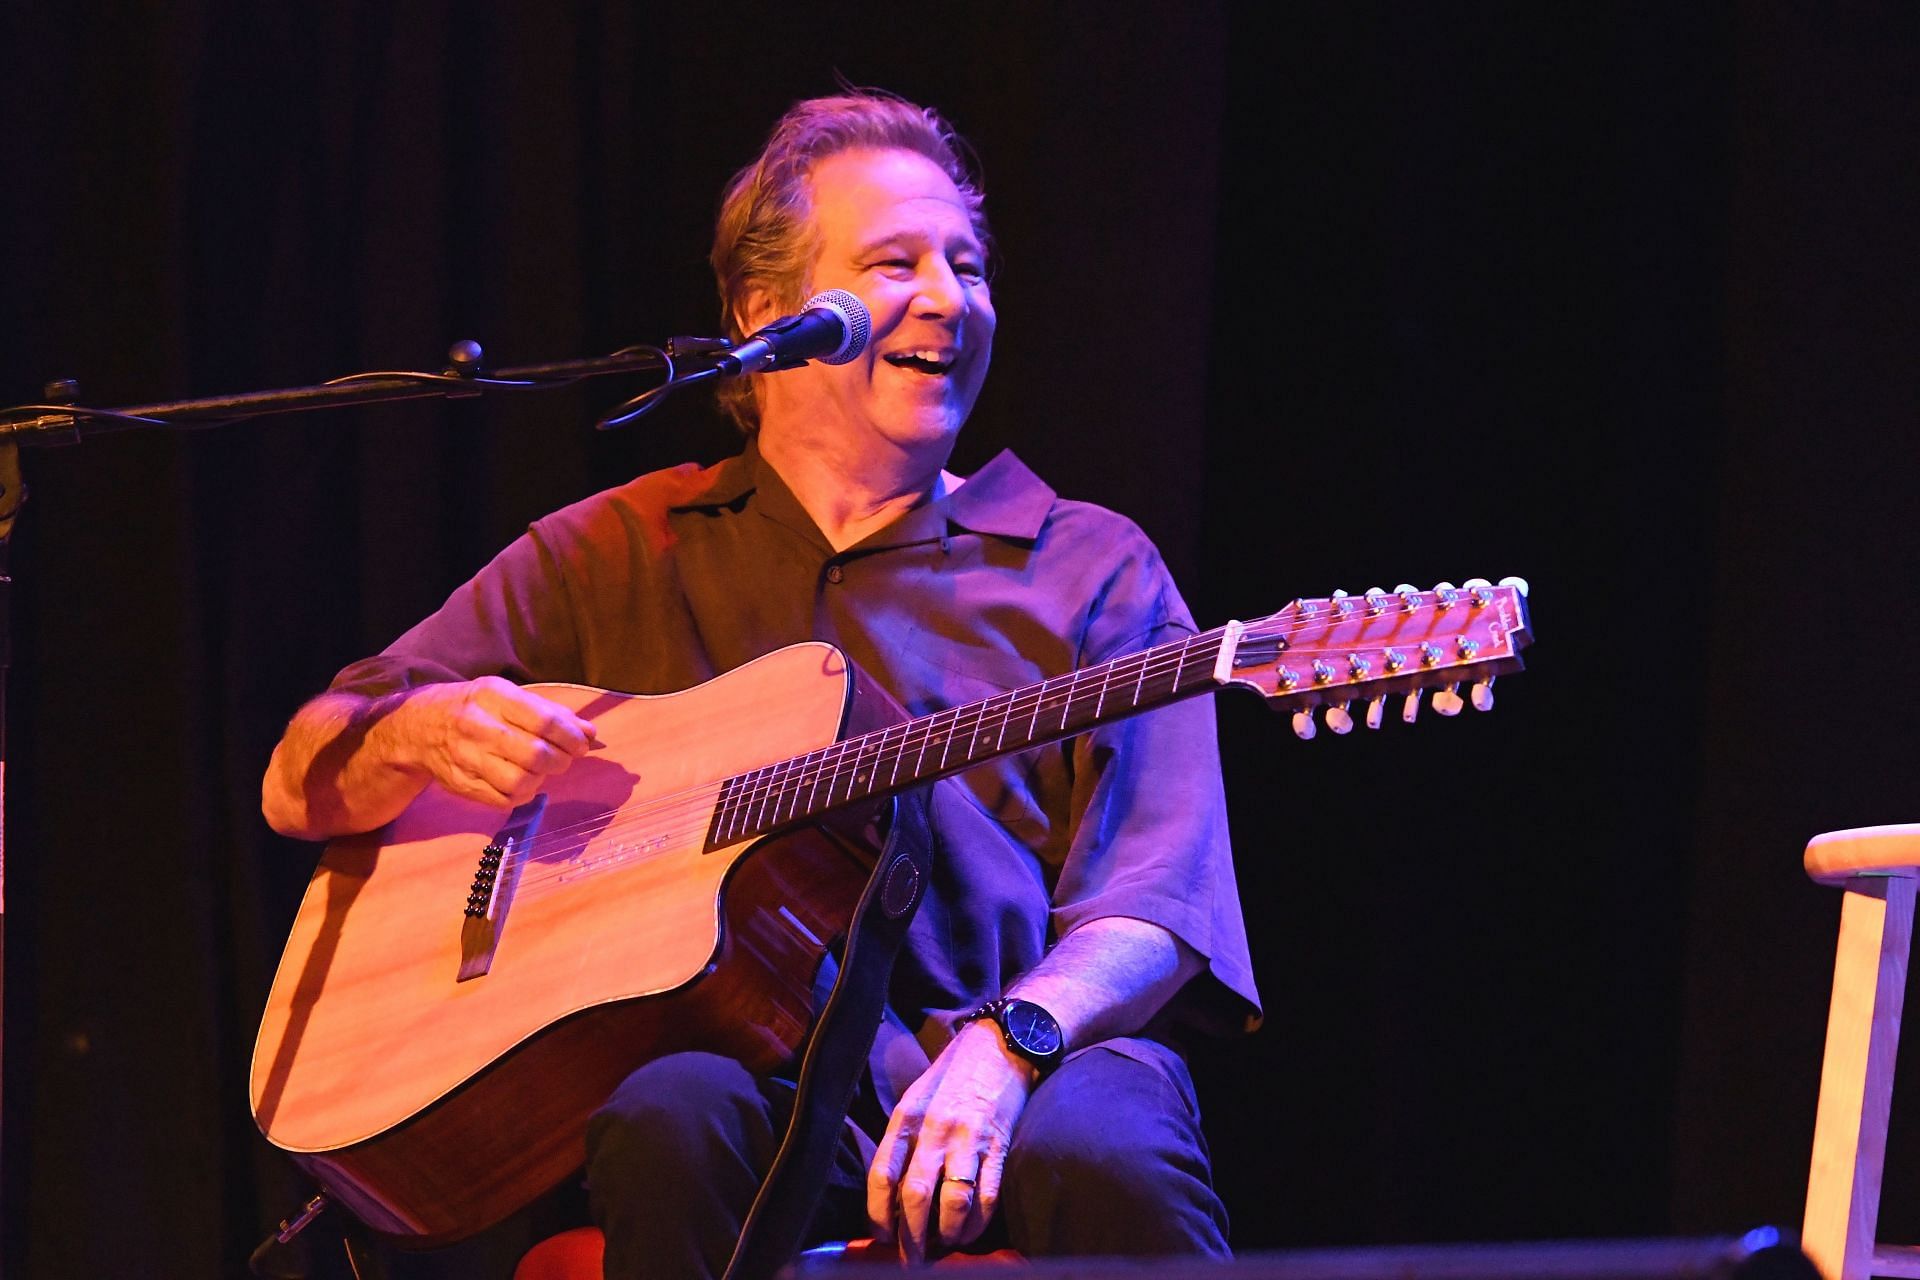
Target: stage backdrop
{"x":1324,"y":296}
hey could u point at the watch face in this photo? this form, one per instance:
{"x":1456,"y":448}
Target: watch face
{"x":1032,"y":1028}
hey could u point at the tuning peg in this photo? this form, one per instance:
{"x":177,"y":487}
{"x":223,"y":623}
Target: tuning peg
{"x":1410,"y":709}
{"x":1471,"y":583}
{"x":1303,"y":726}
{"x":1481,"y":695}
{"x":1342,"y":602}
{"x":1447,"y":701}
{"x":1339,"y":719}
{"x":1518,"y":584}
{"x":1376,"y":710}
{"x":1375,"y":600}
{"x":1447,"y":595}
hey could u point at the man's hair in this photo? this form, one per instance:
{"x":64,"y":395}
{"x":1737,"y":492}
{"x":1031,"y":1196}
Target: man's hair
{"x":763,"y":236}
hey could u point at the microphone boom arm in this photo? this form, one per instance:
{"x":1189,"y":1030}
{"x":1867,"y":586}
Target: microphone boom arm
{"x":64,"y":423}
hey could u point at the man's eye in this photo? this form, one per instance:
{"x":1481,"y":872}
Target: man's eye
{"x":969,"y":271}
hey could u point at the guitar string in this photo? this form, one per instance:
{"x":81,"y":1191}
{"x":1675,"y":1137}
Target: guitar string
{"x":1051,"y":693}
{"x":659,"y":813}
{"x":783,"y":779}
{"x":702,"y":800}
{"x":1260,"y":630}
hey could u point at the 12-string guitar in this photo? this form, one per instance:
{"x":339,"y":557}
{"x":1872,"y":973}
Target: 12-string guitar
{"x":461,"y":989}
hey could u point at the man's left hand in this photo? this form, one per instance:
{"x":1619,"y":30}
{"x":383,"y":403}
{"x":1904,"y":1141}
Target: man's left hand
{"x":938,"y":1165}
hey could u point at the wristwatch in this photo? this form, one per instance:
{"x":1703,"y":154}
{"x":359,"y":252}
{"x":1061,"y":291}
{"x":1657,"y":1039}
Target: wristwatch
{"x":1029,"y":1030}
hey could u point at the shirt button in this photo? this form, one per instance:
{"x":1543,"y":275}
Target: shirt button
{"x":835,"y":573}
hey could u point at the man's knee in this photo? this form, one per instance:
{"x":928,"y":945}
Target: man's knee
{"x":679,"y":1110}
{"x":1109,"y":1156}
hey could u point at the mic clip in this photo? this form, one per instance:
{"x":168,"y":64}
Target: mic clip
{"x":684,"y":347}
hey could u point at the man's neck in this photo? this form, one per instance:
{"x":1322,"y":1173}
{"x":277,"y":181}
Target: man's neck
{"x":851,"y":495}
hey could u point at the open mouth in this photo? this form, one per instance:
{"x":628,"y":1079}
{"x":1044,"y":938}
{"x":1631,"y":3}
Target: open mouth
{"x":934,"y":364}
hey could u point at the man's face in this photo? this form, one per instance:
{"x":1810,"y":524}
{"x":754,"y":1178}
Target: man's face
{"x":892,"y":228}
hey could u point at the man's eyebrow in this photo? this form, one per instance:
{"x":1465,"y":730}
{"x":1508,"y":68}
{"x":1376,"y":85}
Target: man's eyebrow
{"x":905,"y":236}
{"x":887,"y":238}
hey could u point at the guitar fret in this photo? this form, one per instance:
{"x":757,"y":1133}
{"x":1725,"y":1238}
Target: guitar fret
{"x":893,"y":775}
{"x":852,"y":758}
{"x":723,"y":811}
{"x":946,"y":744}
{"x":975,"y":734}
{"x":790,"y":788}
{"x":742,"y":790}
{"x":1099,"y":703}
{"x":954,"y":736}
{"x":1040,"y":700}
{"x":834,"y":767}
{"x":764,"y":787}
{"x":822,"y":772}
{"x":743,"y":806}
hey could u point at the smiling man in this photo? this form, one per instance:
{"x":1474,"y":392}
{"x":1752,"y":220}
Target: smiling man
{"x":1026,"y":1086}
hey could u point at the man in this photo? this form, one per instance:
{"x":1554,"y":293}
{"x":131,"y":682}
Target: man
{"x":1091,"y":879}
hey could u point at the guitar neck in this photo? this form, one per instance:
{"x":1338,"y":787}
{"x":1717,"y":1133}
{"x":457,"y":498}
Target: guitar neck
{"x":933,"y":746}
{"x":1313,"y":653}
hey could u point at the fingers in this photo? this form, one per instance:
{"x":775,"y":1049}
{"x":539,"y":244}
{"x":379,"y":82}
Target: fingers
{"x":959,"y":1201}
{"x":883,"y":1175}
{"x":986,"y":1192}
{"x":497,"y":743}
{"x":935,"y":1176}
{"x":918,"y":1187}
{"x":563,"y":732}
{"x":926,"y":1187}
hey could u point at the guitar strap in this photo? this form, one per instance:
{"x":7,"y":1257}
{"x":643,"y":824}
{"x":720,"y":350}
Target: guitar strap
{"x":837,"y":1051}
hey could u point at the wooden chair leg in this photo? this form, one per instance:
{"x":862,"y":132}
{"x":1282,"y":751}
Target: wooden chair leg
{"x":1856,"y":1076}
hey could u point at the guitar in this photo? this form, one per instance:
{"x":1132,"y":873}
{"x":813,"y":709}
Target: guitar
{"x":461,"y":990}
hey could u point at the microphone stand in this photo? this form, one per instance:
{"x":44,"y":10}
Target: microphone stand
{"x":61,"y":421}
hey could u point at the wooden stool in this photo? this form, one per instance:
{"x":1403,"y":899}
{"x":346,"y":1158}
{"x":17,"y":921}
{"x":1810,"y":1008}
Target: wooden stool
{"x":1878,"y":867}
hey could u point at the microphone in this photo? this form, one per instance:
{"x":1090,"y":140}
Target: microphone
{"x":832,"y":327}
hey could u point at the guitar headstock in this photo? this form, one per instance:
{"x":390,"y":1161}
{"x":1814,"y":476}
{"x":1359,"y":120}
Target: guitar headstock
{"x":1343,"y":649}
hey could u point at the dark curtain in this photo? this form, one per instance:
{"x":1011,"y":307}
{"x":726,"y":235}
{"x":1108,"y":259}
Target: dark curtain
{"x":1619,"y":299}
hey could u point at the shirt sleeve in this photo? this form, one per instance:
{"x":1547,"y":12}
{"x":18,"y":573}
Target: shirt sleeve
{"x":1150,"y":837}
{"x":512,"y":619}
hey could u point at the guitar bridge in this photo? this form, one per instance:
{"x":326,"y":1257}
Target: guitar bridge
{"x":491,"y":893}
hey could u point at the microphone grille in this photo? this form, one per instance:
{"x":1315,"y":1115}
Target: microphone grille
{"x":855,"y":321}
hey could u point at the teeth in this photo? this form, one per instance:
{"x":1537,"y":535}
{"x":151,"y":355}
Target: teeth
{"x":926,"y":355}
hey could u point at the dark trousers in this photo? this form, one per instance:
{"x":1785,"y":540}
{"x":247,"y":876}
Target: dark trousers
{"x":1107,"y":1158}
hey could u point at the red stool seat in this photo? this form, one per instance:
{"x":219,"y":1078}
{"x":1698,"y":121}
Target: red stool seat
{"x":572,"y":1255}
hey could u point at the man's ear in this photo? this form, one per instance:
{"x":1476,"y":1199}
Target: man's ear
{"x":757,"y":310}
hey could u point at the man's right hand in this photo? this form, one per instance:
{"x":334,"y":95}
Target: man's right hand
{"x":488,"y":739}
{"x":349,"y":764}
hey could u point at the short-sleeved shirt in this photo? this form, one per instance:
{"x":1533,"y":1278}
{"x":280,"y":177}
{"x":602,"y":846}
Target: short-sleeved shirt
{"x":683,"y":574}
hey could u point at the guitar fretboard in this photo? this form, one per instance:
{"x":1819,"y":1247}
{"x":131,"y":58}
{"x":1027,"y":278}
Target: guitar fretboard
{"x":945,"y":742}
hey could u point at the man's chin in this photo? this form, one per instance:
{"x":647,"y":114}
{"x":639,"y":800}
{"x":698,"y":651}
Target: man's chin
{"x":926,"y":429}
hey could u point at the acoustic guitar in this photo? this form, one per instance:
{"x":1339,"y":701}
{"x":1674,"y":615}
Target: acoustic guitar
{"x":462,"y":989}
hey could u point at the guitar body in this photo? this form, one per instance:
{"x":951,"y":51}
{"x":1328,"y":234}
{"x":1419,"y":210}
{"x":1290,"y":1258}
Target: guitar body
{"x":433,"y":1106}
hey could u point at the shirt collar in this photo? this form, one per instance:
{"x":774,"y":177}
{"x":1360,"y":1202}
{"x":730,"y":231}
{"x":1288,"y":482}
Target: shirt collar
{"x":1003,"y":498}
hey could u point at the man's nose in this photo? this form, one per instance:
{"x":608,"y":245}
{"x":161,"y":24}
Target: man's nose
{"x":940,"y":292}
